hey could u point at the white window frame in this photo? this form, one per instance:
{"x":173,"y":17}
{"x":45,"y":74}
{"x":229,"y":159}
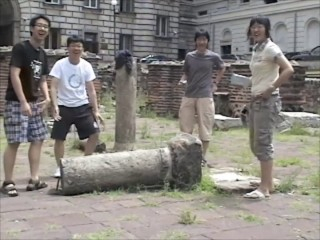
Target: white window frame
{"x":160,"y":21}
{"x":53,"y":1}
{"x":88,"y":4}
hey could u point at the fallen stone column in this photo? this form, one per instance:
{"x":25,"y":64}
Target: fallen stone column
{"x":178,"y":164}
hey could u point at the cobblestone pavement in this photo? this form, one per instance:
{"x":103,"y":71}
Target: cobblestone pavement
{"x":161,"y":214}
{"x":155,"y":215}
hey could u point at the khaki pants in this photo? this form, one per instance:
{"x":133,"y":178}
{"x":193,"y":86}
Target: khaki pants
{"x":262,"y":118}
{"x":200,"y":111}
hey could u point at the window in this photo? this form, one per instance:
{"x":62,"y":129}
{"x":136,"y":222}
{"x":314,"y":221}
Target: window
{"x":53,"y":39}
{"x":245,"y":1}
{"x":126,"y":5}
{"x":226,"y":49}
{"x":53,"y":1}
{"x":202,"y":13}
{"x":182,"y":54}
{"x":126,"y":42}
{"x":270,"y":1}
{"x":91,"y":3}
{"x":91,"y":42}
{"x":162,"y":26}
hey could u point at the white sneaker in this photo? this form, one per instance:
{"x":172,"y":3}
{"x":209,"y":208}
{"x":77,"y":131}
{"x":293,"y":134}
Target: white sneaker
{"x":57,"y":174}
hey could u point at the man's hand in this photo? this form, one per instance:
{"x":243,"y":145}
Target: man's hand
{"x":56,"y":114}
{"x":44,"y":104}
{"x":98,"y":118}
{"x":267,"y":93}
{"x":26,"y":109}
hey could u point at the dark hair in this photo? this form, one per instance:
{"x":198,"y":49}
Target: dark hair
{"x":201,"y":33}
{"x":34,"y":20}
{"x":260,"y":20}
{"x":74,"y":39}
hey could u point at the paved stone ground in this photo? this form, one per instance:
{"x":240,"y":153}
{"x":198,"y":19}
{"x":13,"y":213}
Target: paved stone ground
{"x":151,"y":215}
{"x":155,"y":215}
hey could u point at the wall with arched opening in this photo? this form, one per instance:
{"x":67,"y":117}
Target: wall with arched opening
{"x":312,"y":33}
{"x":226,"y":42}
{"x":9,"y":22}
{"x":281,"y":36}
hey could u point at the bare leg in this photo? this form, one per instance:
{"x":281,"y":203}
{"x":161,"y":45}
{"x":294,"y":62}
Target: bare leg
{"x":34,"y":158}
{"x":205,"y":145}
{"x":9,"y":159}
{"x":58,"y":150}
{"x":266,"y":185}
{"x":91,"y":144}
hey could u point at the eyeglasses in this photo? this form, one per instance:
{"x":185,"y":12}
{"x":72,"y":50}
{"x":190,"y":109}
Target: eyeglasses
{"x":42,"y":26}
{"x":259,"y":27}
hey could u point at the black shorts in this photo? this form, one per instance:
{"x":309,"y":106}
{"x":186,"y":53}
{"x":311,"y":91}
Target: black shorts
{"x":83,"y":119}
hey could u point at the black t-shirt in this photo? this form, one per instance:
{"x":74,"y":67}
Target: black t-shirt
{"x":33,"y":64}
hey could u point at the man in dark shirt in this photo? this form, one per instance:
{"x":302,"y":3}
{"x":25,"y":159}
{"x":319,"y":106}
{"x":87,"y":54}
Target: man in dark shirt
{"x":197,"y":105}
{"x":23,"y":121}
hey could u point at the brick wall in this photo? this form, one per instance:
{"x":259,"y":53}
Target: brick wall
{"x":312,"y":93}
{"x":4,"y":73}
{"x":5,"y":57}
{"x":164,"y":97}
{"x":163,"y":94}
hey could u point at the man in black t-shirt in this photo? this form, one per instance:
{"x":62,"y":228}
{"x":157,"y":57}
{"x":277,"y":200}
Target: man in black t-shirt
{"x":23,"y":121}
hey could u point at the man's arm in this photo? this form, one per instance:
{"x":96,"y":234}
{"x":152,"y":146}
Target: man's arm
{"x":219,"y":63}
{"x":92,"y":96}
{"x":54,"y":101}
{"x":44,"y":88}
{"x":220,"y":74}
{"x":16,"y":83}
{"x":53,"y":91}
{"x":184,"y":76}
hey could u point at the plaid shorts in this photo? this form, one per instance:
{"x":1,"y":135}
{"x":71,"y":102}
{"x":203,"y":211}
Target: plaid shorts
{"x":20,"y":128}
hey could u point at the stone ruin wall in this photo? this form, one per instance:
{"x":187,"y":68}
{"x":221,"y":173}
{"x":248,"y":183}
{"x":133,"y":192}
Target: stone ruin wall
{"x":312,"y":93}
{"x":158,"y":82}
{"x":164,"y":96}
{"x":53,"y":56}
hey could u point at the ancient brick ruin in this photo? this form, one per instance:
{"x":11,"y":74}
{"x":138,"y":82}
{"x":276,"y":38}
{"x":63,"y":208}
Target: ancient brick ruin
{"x":164,"y":96}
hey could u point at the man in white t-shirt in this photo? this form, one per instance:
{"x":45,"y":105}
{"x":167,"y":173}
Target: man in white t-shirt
{"x":74,"y":100}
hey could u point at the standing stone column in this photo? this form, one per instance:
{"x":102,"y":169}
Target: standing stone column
{"x":126,"y":88}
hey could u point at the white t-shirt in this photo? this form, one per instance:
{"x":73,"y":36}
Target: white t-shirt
{"x":264,"y":68}
{"x":72,"y":81}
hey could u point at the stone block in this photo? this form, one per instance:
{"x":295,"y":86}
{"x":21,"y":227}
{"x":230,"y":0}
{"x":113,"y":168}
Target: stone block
{"x":303,"y":119}
{"x":232,"y":180}
{"x":223,"y":122}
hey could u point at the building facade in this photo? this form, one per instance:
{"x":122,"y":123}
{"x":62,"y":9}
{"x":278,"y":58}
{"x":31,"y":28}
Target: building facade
{"x":142,"y":26}
{"x":163,"y":27}
{"x":295,"y":24}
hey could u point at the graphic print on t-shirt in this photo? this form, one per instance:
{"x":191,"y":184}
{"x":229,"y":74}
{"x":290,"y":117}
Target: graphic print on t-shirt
{"x":75,"y":80}
{"x":37,"y":69}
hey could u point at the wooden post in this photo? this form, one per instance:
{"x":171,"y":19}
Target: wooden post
{"x":178,"y":164}
{"x":126,"y":85}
